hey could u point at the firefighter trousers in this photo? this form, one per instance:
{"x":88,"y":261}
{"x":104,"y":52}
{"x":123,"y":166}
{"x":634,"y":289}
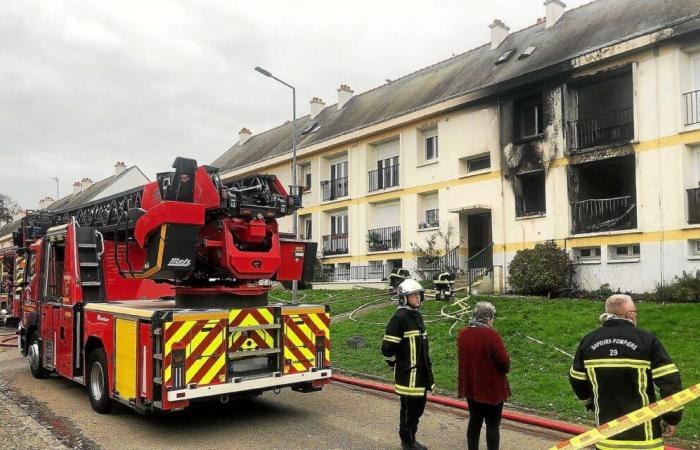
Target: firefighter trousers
{"x":411,"y":411}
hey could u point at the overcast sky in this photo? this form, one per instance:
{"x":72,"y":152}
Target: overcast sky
{"x":85,"y":84}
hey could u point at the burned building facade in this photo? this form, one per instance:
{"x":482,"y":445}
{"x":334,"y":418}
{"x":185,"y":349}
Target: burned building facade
{"x":583,"y":129}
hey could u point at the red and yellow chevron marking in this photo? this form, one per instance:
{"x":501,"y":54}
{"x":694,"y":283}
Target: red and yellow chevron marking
{"x":205,"y":350}
{"x":251,"y":339}
{"x":630,"y":420}
{"x":300,"y":332}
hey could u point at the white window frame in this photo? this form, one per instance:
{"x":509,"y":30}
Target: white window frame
{"x":431,"y":133}
{"x":631,"y":256}
{"x":694,"y":248}
{"x":474,"y":158}
{"x":305,"y":169}
{"x":593,"y":258}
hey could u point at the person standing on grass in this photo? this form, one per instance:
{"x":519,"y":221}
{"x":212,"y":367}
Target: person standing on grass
{"x":406,"y":350}
{"x":614,"y":372}
{"x":483,"y":363}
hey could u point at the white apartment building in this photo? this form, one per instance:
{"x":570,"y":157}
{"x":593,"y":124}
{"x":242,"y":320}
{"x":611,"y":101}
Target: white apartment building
{"x":583,"y":128}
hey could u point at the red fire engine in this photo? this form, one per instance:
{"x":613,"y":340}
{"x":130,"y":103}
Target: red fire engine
{"x":158,"y":296}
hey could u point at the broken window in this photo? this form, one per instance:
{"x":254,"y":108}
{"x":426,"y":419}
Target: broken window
{"x":529,"y":117}
{"x":530,"y":194}
{"x":604,"y":113}
{"x":603,"y":195}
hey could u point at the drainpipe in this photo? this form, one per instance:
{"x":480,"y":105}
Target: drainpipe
{"x":503,"y":196}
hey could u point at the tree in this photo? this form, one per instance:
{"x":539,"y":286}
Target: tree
{"x":428,"y":253}
{"x":8,"y":208}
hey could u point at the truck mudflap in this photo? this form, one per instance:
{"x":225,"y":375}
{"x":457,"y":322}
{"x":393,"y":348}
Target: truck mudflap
{"x":207,"y":353}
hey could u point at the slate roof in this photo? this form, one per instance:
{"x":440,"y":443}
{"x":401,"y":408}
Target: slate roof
{"x":71,"y":201}
{"x":579,"y":31}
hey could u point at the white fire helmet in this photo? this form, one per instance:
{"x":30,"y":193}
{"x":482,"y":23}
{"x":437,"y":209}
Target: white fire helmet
{"x":409,"y":286}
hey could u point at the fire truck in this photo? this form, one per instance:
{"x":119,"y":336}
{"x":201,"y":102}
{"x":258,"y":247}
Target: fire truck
{"x":158,"y":296}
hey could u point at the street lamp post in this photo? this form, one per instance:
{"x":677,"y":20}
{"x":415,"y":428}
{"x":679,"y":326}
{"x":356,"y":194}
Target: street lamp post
{"x":295,"y":284}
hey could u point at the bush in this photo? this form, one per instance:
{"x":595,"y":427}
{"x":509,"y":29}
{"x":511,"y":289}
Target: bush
{"x":683,"y":288}
{"x":541,"y":270}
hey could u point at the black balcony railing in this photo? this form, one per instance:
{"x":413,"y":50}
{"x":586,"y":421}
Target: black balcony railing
{"x":432,"y":219}
{"x":384,"y":178}
{"x":356,"y":273}
{"x":607,"y":214}
{"x":383,"y":239}
{"x":335,"y":244}
{"x":615,"y":127}
{"x":335,"y":188}
{"x":692,"y":107}
{"x":694,"y":205}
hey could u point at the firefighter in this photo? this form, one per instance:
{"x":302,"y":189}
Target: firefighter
{"x":614,"y":372}
{"x":406,"y":350}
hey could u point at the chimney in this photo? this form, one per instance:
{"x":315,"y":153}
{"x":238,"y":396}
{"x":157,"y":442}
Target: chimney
{"x":317,"y":106}
{"x":119,"y":168}
{"x":45,"y":202}
{"x":76,"y":188}
{"x":344,"y":95}
{"x":85,"y":183}
{"x":555,"y":9}
{"x":499,"y":33}
{"x":244,"y":135}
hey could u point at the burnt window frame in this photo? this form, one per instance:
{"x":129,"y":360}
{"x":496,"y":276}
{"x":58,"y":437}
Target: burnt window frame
{"x":520,"y":211}
{"x":520,"y":106}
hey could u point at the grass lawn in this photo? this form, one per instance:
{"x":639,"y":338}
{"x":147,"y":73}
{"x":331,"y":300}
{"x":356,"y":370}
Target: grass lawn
{"x":538,"y":375}
{"x":341,"y":301}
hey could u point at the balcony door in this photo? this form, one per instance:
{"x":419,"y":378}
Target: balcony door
{"x":339,"y":224}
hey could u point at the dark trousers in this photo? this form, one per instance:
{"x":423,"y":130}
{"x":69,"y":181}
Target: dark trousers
{"x":478,"y":413}
{"x":411,"y":410}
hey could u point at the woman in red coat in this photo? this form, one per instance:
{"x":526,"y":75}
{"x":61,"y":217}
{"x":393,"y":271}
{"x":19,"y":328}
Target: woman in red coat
{"x":483,"y":364}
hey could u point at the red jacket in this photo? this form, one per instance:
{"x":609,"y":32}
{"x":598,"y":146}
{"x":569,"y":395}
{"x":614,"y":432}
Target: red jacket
{"x":483,"y":363}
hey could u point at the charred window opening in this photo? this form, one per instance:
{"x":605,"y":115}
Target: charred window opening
{"x":604,"y":113}
{"x":603,"y":195}
{"x":529,"y":117}
{"x":530,"y":194}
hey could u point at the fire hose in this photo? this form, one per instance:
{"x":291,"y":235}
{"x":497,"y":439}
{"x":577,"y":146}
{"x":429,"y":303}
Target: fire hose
{"x":8,"y":340}
{"x":516,"y":417}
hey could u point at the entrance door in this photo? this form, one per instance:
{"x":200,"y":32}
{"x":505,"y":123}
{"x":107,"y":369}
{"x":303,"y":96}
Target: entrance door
{"x":478,"y":238}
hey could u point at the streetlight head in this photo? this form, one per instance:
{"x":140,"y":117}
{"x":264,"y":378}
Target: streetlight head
{"x":263,"y":71}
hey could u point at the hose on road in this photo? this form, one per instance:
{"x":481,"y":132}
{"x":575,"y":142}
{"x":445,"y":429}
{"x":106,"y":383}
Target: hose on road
{"x":8,"y":340}
{"x":458,"y":404}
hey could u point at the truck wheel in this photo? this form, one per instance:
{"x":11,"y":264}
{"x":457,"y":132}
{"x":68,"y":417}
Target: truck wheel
{"x":97,"y":382}
{"x":34,"y":357}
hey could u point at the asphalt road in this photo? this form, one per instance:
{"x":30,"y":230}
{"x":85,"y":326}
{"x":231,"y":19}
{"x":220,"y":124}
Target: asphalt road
{"x":54,"y":413}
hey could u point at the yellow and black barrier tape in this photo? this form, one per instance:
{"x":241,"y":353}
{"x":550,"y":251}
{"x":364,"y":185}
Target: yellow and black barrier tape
{"x":630,"y":420}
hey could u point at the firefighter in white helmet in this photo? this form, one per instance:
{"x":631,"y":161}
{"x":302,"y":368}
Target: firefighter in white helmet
{"x":406,"y":350}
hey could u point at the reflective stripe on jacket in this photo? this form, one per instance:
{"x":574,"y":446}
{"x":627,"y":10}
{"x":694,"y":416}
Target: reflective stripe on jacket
{"x":405,"y":348}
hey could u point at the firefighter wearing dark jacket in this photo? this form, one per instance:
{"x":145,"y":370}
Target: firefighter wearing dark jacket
{"x":614,"y":372}
{"x":405,"y":348}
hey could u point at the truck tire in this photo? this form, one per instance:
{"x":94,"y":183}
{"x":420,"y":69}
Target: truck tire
{"x":34,"y":356}
{"x":98,"y":383}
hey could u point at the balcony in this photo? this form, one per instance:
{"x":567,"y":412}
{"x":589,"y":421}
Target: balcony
{"x":335,"y":244}
{"x":335,"y":188}
{"x":356,"y":273}
{"x":693,"y":206}
{"x":384,"y":239}
{"x":384,"y":178}
{"x":692,"y":108}
{"x":607,"y":214}
{"x":613,"y":128}
{"x":432,"y":219}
